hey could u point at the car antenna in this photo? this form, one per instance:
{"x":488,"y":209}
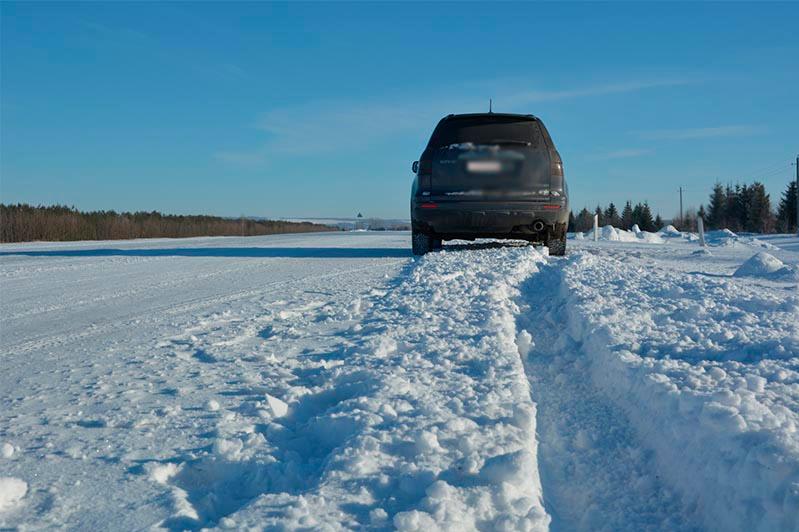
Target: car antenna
{"x":490,"y":105}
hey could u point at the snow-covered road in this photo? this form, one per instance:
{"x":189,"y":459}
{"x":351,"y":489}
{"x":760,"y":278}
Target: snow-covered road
{"x":333,"y":381}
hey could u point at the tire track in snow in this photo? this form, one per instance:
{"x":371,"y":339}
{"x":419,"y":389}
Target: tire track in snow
{"x":156,"y":314}
{"x":595,"y":474}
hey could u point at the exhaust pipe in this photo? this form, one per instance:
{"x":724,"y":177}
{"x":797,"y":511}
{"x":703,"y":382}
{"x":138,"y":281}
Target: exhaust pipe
{"x":538,"y":226}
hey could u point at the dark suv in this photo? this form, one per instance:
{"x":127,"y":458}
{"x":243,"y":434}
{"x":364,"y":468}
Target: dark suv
{"x":489,"y":175}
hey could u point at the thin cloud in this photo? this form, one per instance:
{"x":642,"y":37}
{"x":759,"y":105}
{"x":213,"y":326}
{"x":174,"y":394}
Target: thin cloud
{"x":243,"y":157}
{"x":623,"y":154}
{"x":702,"y":132}
{"x":596,"y":90}
{"x":343,"y":125}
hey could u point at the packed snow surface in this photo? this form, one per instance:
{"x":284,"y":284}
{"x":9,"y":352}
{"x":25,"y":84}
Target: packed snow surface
{"x":332,"y":381}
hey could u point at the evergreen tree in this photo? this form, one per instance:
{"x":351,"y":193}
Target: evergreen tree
{"x":658,"y":222}
{"x":584,"y":221}
{"x":730,"y":212}
{"x":716,"y":209}
{"x":759,"y":217}
{"x":627,"y":216}
{"x":646,"y":223}
{"x":570,"y":228}
{"x":611,"y":215}
{"x":742,"y":201}
{"x":786,"y":212}
{"x":638,"y":211}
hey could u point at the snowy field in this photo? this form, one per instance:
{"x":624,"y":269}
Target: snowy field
{"x":332,"y":381}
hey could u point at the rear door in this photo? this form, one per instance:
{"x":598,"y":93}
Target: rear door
{"x":487,"y":158}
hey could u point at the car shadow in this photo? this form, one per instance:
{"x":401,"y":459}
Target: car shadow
{"x":230,"y":252}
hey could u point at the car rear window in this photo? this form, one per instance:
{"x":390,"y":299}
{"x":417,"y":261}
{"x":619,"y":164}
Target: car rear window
{"x":485,"y":130}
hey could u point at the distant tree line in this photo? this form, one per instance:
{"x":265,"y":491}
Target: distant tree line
{"x":25,"y":223}
{"x":640,"y":214}
{"x":745,"y":208}
{"x":748,"y":208}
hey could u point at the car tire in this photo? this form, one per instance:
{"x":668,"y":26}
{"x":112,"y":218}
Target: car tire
{"x":557,"y":246}
{"x":421,"y":243}
{"x":438,"y":244}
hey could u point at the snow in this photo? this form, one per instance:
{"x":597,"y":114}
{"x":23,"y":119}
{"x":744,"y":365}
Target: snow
{"x":12,"y":490}
{"x":333,"y":381}
{"x":670,"y":231}
{"x":768,"y":266}
{"x":704,"y":364}
{"x":6,"y":450}
{"x":613,"y":234}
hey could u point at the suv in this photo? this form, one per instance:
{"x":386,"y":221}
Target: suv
{"x":489,"y":175}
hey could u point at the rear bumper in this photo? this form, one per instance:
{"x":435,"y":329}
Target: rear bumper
{"x":462,"y":218}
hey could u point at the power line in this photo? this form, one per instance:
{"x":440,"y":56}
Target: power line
{"x":775,"y":172}
{"x":770,"y":171}
{"x":769,"y":168}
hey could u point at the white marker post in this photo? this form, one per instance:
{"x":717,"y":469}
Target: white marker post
{"x":596,"y":227}
{"x":701,"y":227}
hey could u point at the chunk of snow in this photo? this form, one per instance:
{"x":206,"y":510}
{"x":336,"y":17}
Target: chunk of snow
{"x":12,"y":490}
{"x":524,"y":341}
{"x":378,"y":516}
{"x":278,"y":407}
{"x":7,"y":450}
{"x":212,"y":405}
{"x":161,"y":473}
{"x":427,"y":442}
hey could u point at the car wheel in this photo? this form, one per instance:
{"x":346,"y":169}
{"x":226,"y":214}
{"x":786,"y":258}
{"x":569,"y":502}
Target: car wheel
{"x":557,"y":246}
{"x":438,"y":244}
{"x":421,"y":243}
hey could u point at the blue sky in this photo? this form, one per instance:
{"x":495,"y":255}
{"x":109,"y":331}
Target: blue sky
{"x":319,"y":109}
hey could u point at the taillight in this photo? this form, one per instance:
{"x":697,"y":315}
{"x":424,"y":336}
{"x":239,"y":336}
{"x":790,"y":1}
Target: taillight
{"x":428,"y":205}
{"x":425,"y":167}
{"x":557,"y":165}
{"x":425,"y":175}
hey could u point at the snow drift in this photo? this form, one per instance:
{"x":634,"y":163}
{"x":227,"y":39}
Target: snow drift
{"x":766,"y":266}
{"x":702,"y":367}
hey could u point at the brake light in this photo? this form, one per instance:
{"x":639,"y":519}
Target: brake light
{"x":551,"y":207}
{"x":428,"y":205}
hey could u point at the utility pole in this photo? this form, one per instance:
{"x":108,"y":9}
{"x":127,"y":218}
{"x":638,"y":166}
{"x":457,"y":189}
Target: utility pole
{"x":797,"y":194}
{"x":681,"y":224}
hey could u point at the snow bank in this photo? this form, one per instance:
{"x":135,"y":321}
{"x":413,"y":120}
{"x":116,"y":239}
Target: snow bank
{"x":613,"y":234}
{"x":727,"y":238}
{"x":670,"y":231}
{"x":707,"y":372}
{"x":12,"y":490}
{"x":766,"y":266}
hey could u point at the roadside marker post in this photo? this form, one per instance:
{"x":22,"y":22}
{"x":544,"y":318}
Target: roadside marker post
{"x":596,"y":228}
{"x":701,"y":227}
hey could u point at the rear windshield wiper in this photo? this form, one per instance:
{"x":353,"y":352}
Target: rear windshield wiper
{"x":508,"y":141}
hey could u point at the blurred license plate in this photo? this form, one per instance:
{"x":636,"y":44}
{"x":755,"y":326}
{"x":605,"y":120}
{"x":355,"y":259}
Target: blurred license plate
{"x":483,"y":166}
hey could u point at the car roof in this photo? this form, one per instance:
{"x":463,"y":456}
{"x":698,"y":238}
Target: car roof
{"x":489,"y":115}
